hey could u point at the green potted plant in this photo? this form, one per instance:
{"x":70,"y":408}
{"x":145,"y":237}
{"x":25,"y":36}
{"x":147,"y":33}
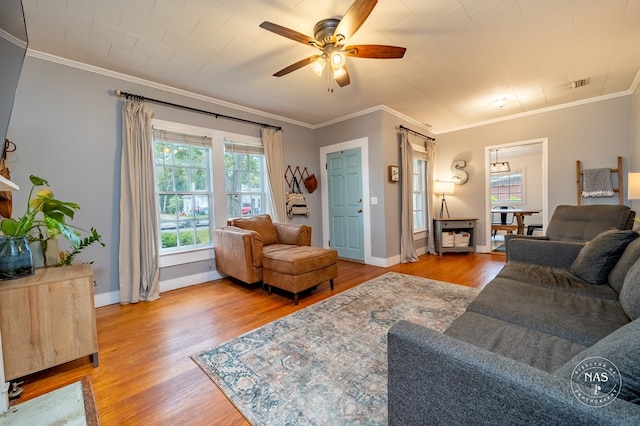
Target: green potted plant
{"x":44,"y":219}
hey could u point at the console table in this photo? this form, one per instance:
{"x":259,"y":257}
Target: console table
{"x":454,"y":225}
{"x":47,"y":319}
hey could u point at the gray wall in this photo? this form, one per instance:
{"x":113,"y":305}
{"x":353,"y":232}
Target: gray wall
{"x":381,"y":129}
{"x":595,"y":133}
{"x":67,"y":127}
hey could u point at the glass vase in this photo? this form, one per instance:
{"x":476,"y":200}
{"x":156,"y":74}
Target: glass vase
{"x":15,"y":257}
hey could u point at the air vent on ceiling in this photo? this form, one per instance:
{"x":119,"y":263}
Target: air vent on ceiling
{"x":579,"y":83}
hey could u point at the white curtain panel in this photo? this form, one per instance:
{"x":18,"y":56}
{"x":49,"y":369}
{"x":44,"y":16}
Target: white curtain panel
{"x":139,"y":240}
{"x":273,"y":153}
{"x":407,"y":247}
{"x":431,"y":160}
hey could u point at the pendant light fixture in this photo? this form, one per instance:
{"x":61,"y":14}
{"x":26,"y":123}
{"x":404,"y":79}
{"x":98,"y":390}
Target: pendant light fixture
{"x":499,"y":167}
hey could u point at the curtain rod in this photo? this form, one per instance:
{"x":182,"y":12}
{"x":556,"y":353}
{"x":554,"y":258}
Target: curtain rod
{"x":118,"y":92}
{"x":401,"y":127}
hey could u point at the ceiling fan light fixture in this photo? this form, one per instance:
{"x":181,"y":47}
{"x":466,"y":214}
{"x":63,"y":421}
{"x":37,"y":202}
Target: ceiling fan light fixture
{"x":338,"y":72}
{"x":318,"y":65}
{"x":337,"y":60}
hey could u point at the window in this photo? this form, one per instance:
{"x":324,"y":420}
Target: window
{"x":507,"y":187}
{"x":245,"y":178}
{"x":183,"y":188}
{"x":419,"y":195}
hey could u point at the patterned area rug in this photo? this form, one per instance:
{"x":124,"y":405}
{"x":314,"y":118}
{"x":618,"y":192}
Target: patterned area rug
{"x":327,"y":364}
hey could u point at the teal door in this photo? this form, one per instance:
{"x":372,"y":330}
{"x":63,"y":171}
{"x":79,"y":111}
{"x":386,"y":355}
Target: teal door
{"x":346,"y":230}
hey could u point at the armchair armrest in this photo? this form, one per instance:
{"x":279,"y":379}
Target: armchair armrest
{"x":558,"y":254}
{"x":437,"y":379}
{"x":239,"y":253}
{"x":299,"y":235}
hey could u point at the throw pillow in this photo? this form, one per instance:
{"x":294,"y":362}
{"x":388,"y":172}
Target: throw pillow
{"x":621,"y":348}
{"x":598,"y":257}
{"x":262,"y":224}
{"x":619,"y":272}
{"x":630,"y":293}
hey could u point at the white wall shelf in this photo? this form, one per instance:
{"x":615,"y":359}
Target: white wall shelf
{"x":7,"y":185}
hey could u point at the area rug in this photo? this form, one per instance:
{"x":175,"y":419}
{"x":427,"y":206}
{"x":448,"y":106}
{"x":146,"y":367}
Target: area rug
{"x":71,"y":405}
{"x":327,"y":364}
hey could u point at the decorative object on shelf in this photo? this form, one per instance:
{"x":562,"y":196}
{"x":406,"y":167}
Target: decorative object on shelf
{"x":6,"y":202}
{"x":394,"y":174}
{"x":460,"y":176}
{"x":296,"y":203}
{"x":499,"y":167}
{"x":441,"y":187}
{"x":45,"y":218}
{"x":15,"y":257}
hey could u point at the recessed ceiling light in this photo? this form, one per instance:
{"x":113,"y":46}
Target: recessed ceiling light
{"x":501,"y":103}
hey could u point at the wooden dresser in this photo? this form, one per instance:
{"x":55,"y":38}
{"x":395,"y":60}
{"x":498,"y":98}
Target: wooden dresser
{"x":47,"y":319}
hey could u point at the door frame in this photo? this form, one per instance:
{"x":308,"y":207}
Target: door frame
{"x":545,"y":183}
{"x":363,"y":144}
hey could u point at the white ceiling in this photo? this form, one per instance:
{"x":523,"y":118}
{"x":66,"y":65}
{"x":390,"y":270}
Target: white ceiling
{"x":462,"y":55}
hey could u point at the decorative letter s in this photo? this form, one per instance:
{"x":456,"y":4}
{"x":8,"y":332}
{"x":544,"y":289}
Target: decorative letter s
{"x":460,"y":176}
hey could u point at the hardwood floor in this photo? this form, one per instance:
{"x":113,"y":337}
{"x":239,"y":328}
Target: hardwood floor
{"x":146,"y":377}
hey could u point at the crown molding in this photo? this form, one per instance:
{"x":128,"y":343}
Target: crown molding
{"x":543,"y":110}
{"x":214,"y":101}
{"x":154,"y":85}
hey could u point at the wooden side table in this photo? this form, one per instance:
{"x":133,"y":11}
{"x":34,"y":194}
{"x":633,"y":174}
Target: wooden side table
{"x":47,"y":319}
{"x":441,"y":226}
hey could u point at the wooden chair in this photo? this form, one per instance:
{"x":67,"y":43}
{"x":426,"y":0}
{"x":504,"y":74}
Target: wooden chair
{"x":503,"y":221}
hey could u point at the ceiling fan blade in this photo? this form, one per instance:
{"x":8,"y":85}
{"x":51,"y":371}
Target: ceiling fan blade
{"x":354,"y":18}
{"x":302,"y":63}
{"x":343,"y":78}
{"x":375,"y":51}
{"x":288,"y":33}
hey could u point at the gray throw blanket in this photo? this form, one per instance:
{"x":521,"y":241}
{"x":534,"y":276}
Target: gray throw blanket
{"x":597,"y":183}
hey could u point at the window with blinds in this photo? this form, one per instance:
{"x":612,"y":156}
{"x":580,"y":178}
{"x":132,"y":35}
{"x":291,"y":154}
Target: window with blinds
{"x":245,"y":178}
{"x":183,"y":175}
{"x":419,"y":189}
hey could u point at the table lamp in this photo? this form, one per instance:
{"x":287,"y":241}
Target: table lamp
{"x":633,"y":183}
{"x":440,"y":187}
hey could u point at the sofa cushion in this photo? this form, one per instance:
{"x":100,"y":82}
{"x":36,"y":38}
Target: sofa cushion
{"x":559,"y":279}
{"x":619,"y":272}
{"x":621,"y":348}
{"x":537,"y":349}
{"x":630,"y":293}
{"x":262,"y":224}
{"x":584,"y":223}
{"x":580,"y":319}
{"x":598,"y":257}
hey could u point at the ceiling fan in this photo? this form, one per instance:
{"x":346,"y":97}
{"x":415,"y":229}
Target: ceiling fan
{"x":330,"y":36}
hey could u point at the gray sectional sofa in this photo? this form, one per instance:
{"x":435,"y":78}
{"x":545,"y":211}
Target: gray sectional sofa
{"x":520,"y":353}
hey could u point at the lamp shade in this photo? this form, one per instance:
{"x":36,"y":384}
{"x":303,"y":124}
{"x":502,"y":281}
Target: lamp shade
{"x":633,"y":182}
{"x":441,"y":187}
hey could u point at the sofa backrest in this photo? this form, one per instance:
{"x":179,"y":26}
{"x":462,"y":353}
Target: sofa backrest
{"x":261,"y":223}
{"x":583,"y":223}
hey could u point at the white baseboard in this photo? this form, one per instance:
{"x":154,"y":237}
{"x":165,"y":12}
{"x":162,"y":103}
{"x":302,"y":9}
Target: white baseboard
{"x":113,"y":297}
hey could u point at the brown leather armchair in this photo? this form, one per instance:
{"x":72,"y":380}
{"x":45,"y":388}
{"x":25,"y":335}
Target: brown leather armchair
{"x":241,"y":245}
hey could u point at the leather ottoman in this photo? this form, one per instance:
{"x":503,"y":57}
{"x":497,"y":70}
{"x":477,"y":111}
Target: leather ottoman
{"x":298,"y":269}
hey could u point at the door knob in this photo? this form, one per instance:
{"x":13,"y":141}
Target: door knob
{"x":359,"y":210}
{"x":359,"y":200}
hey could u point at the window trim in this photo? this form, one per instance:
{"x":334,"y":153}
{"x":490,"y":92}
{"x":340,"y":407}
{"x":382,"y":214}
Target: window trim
{"x":179,"y":128}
